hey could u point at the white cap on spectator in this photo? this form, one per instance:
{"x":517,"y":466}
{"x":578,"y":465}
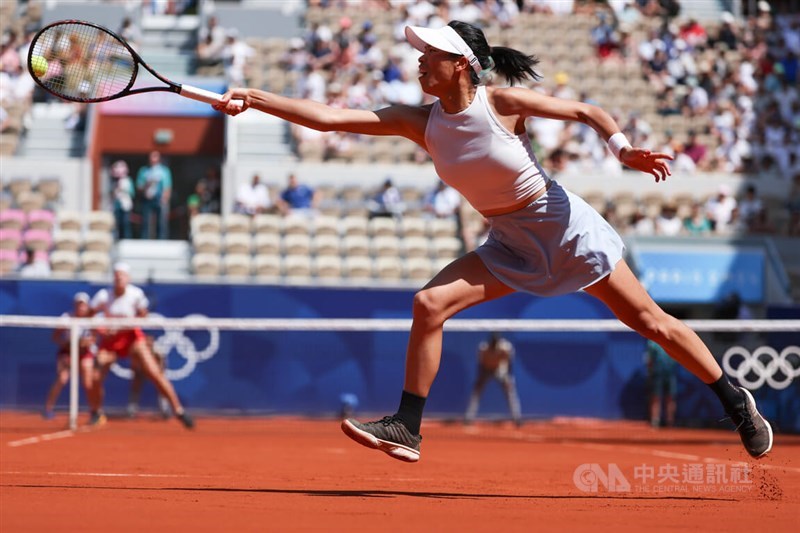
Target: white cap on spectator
{"x":122,"y":267}
{"x":763,"y":5}
{"x":727,"y":17}
{"x":725,"y":189}
{"x":81,"y":297}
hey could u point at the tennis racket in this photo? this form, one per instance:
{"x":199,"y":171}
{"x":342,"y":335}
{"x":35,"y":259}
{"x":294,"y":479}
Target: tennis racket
{"x":84,"y":62}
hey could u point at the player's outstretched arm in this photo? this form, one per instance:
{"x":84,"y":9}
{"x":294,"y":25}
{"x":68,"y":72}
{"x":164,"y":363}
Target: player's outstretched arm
{"x":527,"y":103}
{"x":393,"y":120}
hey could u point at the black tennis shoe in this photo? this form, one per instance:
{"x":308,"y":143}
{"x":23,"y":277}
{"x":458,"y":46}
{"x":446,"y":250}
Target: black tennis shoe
{"x":186,"y":420}
{"x":753,"y":428}
{"x":388,"y":435}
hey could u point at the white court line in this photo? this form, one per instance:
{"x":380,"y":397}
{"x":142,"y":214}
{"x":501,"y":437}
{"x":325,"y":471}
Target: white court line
{"x":104,"y":474}
{"x":42,"y":438}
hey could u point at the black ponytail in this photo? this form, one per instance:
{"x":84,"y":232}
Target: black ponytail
{"x":512,"y":64}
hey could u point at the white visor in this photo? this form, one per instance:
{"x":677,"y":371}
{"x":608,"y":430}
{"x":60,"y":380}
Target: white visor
{"x":444,"y":38}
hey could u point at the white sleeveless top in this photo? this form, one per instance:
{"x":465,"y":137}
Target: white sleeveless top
{"x":475,"y":154}
{"x":126,"y":305}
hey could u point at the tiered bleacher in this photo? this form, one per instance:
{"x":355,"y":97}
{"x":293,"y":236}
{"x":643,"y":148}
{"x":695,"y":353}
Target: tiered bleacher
{"x":322,"y":247}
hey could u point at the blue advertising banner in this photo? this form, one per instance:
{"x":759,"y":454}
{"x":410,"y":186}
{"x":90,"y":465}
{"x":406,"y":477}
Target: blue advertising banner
{"x":594,"y":374}
{"x":705,"y":277}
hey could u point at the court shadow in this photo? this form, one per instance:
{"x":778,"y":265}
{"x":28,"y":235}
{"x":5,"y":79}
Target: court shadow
{"x":355,"y":493}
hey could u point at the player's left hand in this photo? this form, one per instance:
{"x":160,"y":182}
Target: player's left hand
{"x":654,"y":163}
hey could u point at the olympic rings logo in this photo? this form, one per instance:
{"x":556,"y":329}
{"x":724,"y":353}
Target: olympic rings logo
{"x":764,"y":365}
{"x":175,"y":339}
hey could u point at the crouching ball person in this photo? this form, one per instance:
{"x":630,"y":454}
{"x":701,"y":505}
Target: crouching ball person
{"x":124,"y":300}
{"x":543,"y":239}
{"x":86,"y":354}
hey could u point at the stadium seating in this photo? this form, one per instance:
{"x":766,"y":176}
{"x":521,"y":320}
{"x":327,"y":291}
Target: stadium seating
{"x":237,"y":264}
{"x":12,"y":219}
{"x":357,"y":267}
{"x":41,"y":219}
{"x":95,"y":262}
{"x":64,"y":261}
{"x":69,"y":220}
{"x":297,"y":266}
{"x":9,"y":260}
{"x":10,"y":239}
{"x":268,"y":266}
{"x":67,"y":240}
{"x":328,"y":267}
{"x":97,"y":241}
{"x":102,"y":221}
{"x":36,"y":239}
{"x":267,"y":244}
{"x":206,"y":264}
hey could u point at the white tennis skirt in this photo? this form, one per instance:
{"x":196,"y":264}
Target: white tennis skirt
{"x":556,"y":245}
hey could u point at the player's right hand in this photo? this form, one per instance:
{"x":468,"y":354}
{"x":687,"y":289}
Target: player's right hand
{"x":234,"y":102}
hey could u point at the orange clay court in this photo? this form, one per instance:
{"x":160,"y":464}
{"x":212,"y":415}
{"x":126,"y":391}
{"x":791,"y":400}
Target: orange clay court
{"x":289,"y":474}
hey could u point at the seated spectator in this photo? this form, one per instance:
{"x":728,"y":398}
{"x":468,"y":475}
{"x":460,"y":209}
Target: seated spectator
{"x":253,"y":198}
{"x":720,"y":208}
{"x":562,"y":88}
{"x":750,"y":207}
{"x":604,"y":36}
{"x":236,"y":57}
{"x":34,"y":267}
{"x":387,"y":202}
{"x":202,"y":200}
{"x":442,"y":202}
{"x":668,"y":103}
{"x":682,"y":163}
{"x":130,"y":32}
{"x":642,"y":225}
{"x":668,"y":223}
{"x":695,"y":149}
{"x":297,"y":198}
{"x":697,"y":223}
{"x":210,"y":42}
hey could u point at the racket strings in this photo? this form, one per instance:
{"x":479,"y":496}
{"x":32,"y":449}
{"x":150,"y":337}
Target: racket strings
{"x":84,"y":63}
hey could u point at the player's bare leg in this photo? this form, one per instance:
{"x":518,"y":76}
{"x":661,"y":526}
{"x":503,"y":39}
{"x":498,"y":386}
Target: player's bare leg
{"x":96,"y":394}
{"x":630,"y":302}
{"x":150,"y":367}
{"x":462,"y":284}
{"x":135,"y":392}
{"x":62,"y":377}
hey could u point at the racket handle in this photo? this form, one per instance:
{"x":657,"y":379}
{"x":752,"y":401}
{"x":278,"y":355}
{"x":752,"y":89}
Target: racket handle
{"x":196,"y":93}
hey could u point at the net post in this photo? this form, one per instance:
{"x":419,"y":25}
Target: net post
{"x":74,"y":333}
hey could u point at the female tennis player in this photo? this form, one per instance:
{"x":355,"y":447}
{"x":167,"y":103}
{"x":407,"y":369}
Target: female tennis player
{"x":544,"y":240}
{"x":125,"y":300}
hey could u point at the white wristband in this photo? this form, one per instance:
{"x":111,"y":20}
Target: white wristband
{"x":617,"y":142}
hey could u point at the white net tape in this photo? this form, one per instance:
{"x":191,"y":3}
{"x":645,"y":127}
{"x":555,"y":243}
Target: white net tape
{"x":379,"y":324}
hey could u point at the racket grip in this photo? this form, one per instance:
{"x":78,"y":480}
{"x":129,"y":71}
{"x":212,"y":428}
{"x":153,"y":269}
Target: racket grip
{"x":202,"y":95}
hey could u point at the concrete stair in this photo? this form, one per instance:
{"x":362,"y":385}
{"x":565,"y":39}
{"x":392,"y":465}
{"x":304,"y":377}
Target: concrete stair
{"x":47,"y":136}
